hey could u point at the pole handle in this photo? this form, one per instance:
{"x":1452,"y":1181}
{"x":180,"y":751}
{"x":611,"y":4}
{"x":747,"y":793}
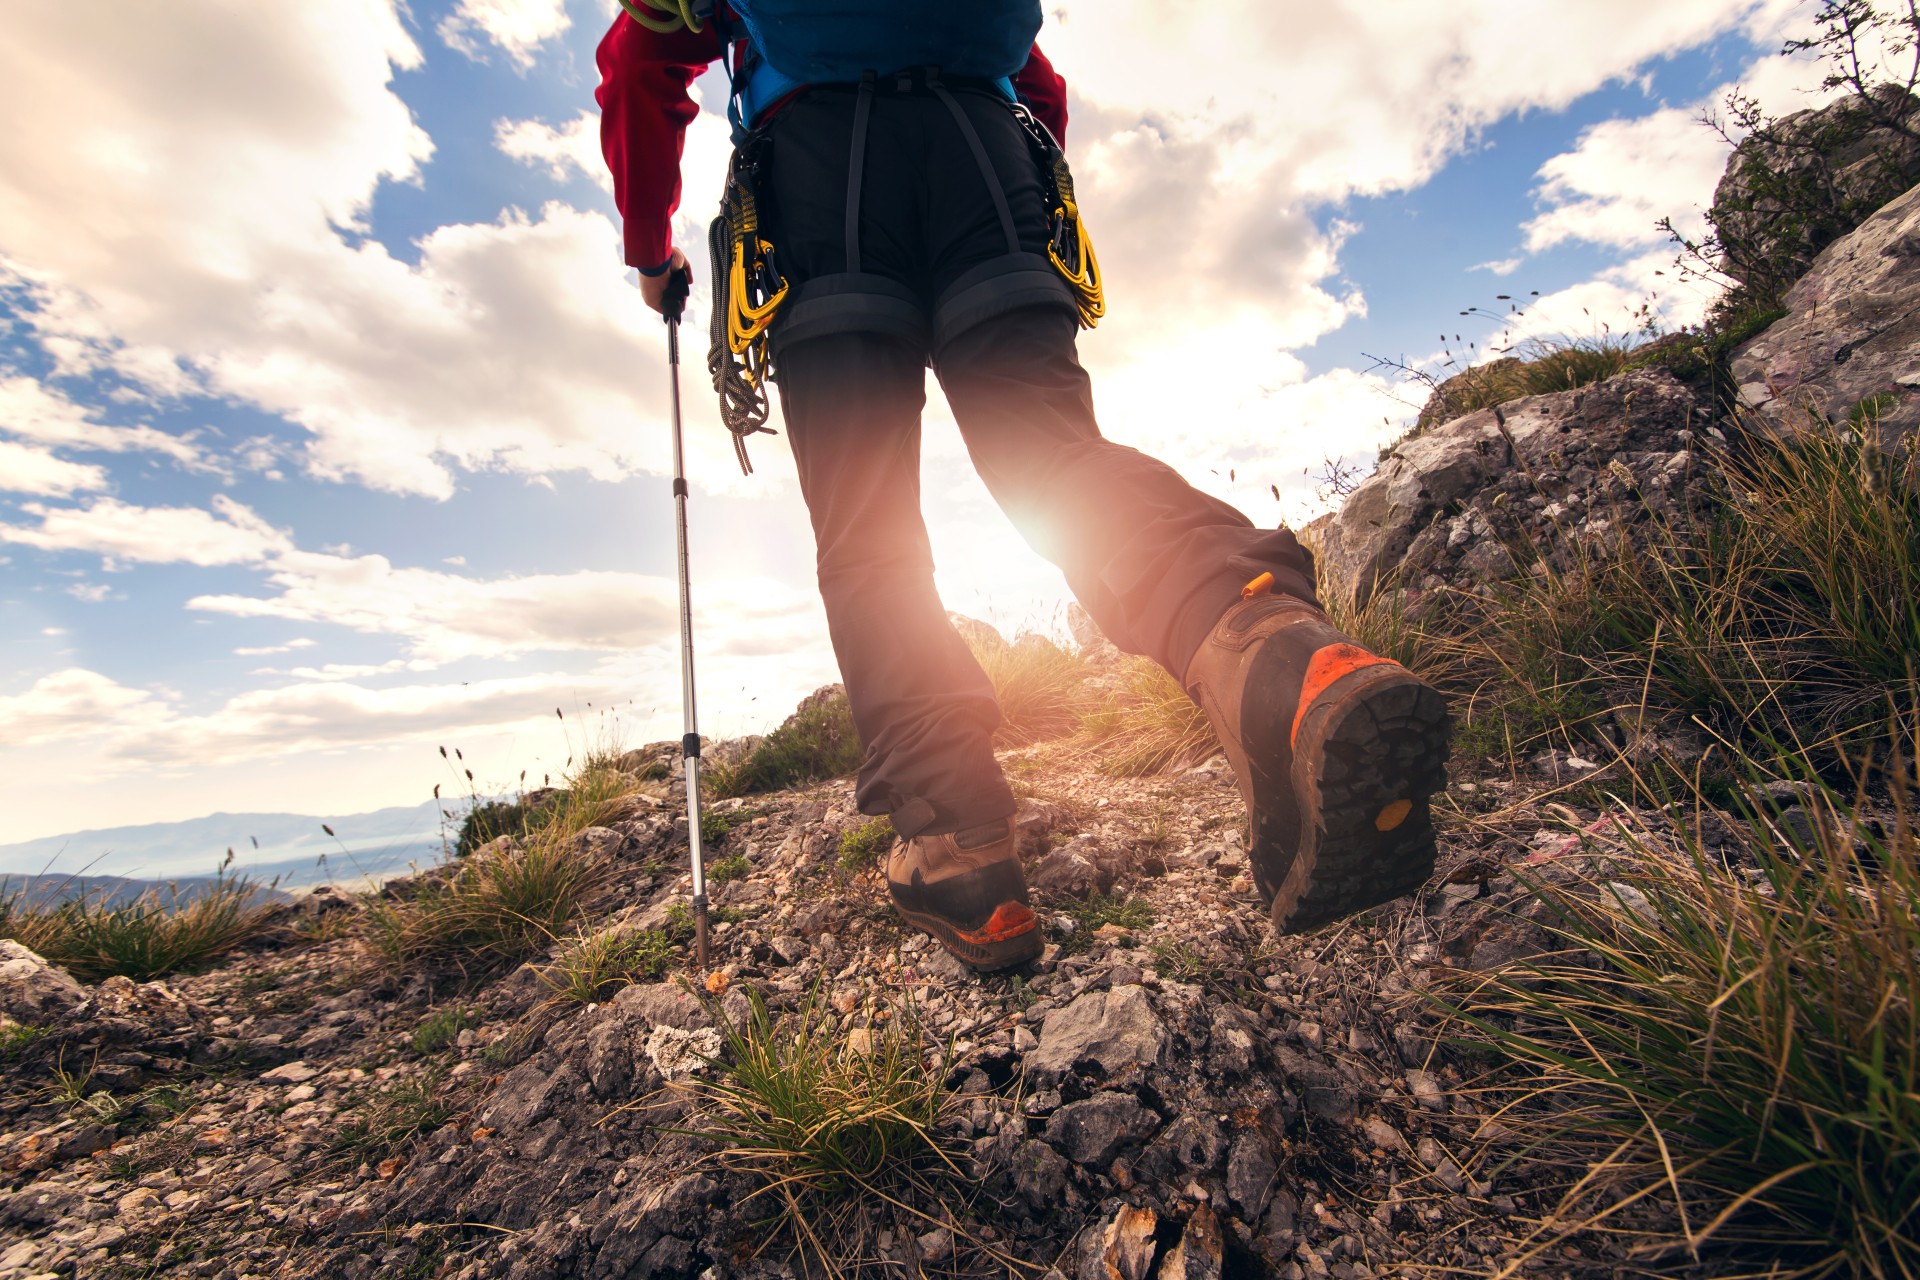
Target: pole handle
{"x":674,"y":302}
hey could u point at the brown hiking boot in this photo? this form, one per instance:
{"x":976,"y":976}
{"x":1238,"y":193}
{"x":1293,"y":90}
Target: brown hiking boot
{"x":968,"y":890}
{"x":1336,"y":751}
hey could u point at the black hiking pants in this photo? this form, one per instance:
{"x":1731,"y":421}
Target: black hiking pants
{"x":1153,"y":560}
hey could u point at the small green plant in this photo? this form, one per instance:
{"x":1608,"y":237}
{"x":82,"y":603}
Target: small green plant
{"x":1105,"y":909}
{"x":394,"y":1116}
{"x":861,"y":846}
{"x":833,"y":1130}
{"x":726,"y":869}
{"x":716,"y":825}
{"x":18,"y":1037}
{"x":817,"y":742}
{"x":159,"y":933}
{"x":598,"y":965}
{"x":440,"y":1029}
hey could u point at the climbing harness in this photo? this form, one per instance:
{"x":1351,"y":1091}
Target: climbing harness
{"x":785,"y":43}
{"x":747,"y":292}
{"x":1069,"y":247}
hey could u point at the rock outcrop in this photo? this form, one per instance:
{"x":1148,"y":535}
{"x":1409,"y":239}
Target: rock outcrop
{"x":1471,"y":501}
{"x":1849,"y":345}
{"x":1811,"y":178}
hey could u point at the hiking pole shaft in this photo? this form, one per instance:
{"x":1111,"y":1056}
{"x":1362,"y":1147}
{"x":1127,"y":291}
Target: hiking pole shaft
{"x":675,"y":302}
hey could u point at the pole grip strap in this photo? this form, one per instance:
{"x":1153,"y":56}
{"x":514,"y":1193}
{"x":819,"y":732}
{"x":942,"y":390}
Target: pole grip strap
{"x":690,"y":746}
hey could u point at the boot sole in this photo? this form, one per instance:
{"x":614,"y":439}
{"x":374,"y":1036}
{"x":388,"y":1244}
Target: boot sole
{"x":984,"y":957}
{"x":1370,"y":750}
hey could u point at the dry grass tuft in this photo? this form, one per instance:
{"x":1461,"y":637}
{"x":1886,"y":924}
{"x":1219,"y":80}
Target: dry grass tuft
{"x":1733,"y":1037}
{"x":161,"y":932}
{"x":843,"y":1135}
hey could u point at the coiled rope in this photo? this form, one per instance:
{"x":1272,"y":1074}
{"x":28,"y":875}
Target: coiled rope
{"x":663,"y":15}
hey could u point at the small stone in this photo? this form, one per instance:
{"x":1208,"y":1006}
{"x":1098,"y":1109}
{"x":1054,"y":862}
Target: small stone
{"x":1426,"y":1090}
{"x":1024,"y":1041}
{"x":32,"y":990}
{"x":1313,"y":1034}
{"x":936,"y":1245}
{"x":1200,"y":1252}
{"x":1250,"y":1174}
{"x":1039,"y":1174}
{"x":1383,"y":1135}
{"x":1092,"y":1132}
{"x":1125,"y":1250}
{"x":289,"y":1073}
{"x":1113,"y":1029}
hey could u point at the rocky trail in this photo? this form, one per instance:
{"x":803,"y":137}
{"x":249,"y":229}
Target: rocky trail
{"x":1171,"y":1081}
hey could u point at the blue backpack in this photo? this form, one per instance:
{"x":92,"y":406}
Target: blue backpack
{"x":802,"y":42}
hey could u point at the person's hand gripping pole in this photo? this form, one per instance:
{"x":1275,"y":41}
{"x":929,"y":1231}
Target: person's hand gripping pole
{"x":673,"y":302}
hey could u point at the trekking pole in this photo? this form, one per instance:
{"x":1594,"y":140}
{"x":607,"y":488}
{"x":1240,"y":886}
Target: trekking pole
{"x":678,"y":283}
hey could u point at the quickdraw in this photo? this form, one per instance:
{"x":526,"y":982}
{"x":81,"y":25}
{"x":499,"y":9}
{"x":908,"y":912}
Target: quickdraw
{"x":747,"y":291}
{"x":1069,"y":247}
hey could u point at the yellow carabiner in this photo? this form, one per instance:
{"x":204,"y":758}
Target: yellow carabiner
{"x":746,"y":322}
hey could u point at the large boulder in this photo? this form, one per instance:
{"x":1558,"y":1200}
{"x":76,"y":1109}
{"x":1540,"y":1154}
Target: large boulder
{"x":1849,"y":345}
{"x":1443,"y":504}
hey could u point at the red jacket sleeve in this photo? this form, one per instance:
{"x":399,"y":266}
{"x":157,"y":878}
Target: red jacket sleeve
{"x":1044,"y":91}
{"x":645,"y":109}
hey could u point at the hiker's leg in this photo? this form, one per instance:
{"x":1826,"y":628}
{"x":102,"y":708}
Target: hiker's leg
{"x":924,"y":709}
{"x":852,"y":403}
{"x":1154,"y":560}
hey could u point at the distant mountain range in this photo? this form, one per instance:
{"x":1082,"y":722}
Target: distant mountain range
{"x":294,"y":849}
{"x":115,"y":891}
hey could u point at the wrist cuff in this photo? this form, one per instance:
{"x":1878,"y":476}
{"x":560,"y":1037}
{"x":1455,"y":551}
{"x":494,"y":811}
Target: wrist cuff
{"x":654,"y":273}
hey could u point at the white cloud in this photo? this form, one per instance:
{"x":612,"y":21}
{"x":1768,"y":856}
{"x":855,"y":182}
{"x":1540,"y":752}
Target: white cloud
{"x":90,"y":592}
{"x":1499,"y":266}
{"x":117,"y":531}
{"x":73,"y":703}
{"x":1623,"y":176}
{"x":518,"y":27}
{"x":32,"y":411}
{"x":24,"y":469}
{"x":571,"y":150}
{"x":261,"y":651}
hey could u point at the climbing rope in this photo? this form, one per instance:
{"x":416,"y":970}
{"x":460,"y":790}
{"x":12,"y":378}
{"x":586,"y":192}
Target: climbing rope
{"x":666,"y":15}
{"x":747,"y":292}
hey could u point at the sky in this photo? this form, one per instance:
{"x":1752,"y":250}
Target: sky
{"x":333,"y":431}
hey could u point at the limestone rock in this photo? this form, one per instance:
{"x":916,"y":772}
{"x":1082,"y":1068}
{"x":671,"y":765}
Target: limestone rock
{"x":1039,"y":1174}
{"x":1124,"y":1251}
{"x":33,"y":991}
{"x":1065,"y":870}
{"x":1399,"y":522}
{"x":1092,"y":1132}
{"x":1850,"y":341}
{"x":1113,"y":1030}
{"x":1836,"y":160}
{"x":1200,"y":1252}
